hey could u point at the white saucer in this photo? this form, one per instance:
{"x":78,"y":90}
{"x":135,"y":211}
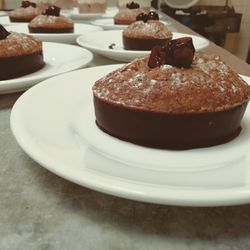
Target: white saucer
{"x":59,"y":58}
{"x":57,"y":37}
{"x":47,"y":132}
{"x":100,"y":41}
{"x":108,"y":24}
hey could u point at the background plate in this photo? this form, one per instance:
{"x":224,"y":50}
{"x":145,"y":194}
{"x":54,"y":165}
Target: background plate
{"x":47,"y":132}
{"x":100,"y":41}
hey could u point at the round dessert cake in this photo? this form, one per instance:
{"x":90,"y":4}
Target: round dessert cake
{"x":20,"y":54}
{"x":128,"y":15}
{"x":50,"y":21}
{"x":91,"y":6}
{"x":145,"y":33}
{"x":173,"y":99}
{"x":25,"y":13}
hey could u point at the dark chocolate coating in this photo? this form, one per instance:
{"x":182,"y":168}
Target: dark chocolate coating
{"x":169,"y":131}
{"x":16,"y":66}
{"x":142,"y":44}
{"x":51,"y":30}
{"x":20,"y":20}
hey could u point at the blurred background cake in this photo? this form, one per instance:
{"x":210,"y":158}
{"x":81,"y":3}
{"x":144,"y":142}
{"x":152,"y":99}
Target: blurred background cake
{"x":144,"y":4}
{"x":25,"y":13}
{"x":91,"y":6}
{"x":50,"y":21}
{"x":127,"y":15}
{"x":145,"y":33}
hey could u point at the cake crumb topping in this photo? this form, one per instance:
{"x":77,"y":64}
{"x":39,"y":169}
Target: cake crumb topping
{"x":17,"y":44}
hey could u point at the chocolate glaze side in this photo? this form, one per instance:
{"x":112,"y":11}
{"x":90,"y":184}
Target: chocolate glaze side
{"x":169,"y":131}
{"x":20,"y":20}
{"x":23,"y":65}
{"x":50,"y":30}
{"x":142,"y":44}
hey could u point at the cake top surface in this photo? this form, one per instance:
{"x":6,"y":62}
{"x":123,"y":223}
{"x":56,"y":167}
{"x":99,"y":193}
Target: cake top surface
{"x":91,"y":1}
{"x":24,"y":11}
{"x":16,"y":44}
{"x":45,"y":21}
{"x":150,"y":29}
{"x":128,"y":13}
{"x":209,"y":85}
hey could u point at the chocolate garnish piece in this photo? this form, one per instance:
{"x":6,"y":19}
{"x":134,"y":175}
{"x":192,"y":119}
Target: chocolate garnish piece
{"x":142,"y":17}
{"x":133,"y":5}
{"x":157,"y":57}
{"x":178,"y":52}
{"x":52,"y":11}
{"x":112,"y":45}
{"x":152,"y":15}
{"x":26,"y":4}
{"x":3,"y":33}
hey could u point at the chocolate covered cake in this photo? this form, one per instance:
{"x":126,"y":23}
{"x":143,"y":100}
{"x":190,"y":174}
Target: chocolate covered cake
{"x":173,"y":99}
{"x":91,"y":6}
{"x":20,"y":54}
{"x":25,"y":13}
{"x":128,"y":15}
{"x":145,"y":33}
{"x":50,"y":21}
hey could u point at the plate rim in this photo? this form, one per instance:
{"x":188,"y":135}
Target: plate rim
{"x":167,"y":195}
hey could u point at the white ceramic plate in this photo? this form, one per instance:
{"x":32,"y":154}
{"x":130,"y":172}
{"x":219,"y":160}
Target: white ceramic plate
{"x":59,"y":58}
{"x":100,"y":41}
{"x":57,"y":37}
{"x":5,"y":21}
{"x":108,"y":24}
{"x":48,"y":132}
{"x":3,"y":13}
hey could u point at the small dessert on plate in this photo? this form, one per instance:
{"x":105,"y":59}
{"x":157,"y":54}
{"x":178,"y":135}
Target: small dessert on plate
{"x":25,"y":13}
{"x":20,"y":54}
{"x":91,"y":6}
{"x":145,"y":33}
{"x":172,"y":99}
{"x":128,"y":15}
{"x":144,"y":4}
{"x":50,"y":21}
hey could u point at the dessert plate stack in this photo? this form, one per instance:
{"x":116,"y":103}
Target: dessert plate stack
{"x":65,"y":145}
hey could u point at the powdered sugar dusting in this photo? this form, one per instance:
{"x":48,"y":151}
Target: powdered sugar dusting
{"x":19,"y":44}
{"x":208,"y":86}
{"x":45,"y":21}
{"x":150,"y":29}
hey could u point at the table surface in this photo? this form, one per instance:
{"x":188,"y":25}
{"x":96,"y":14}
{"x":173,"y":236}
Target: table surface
{"x":39,"y":210}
